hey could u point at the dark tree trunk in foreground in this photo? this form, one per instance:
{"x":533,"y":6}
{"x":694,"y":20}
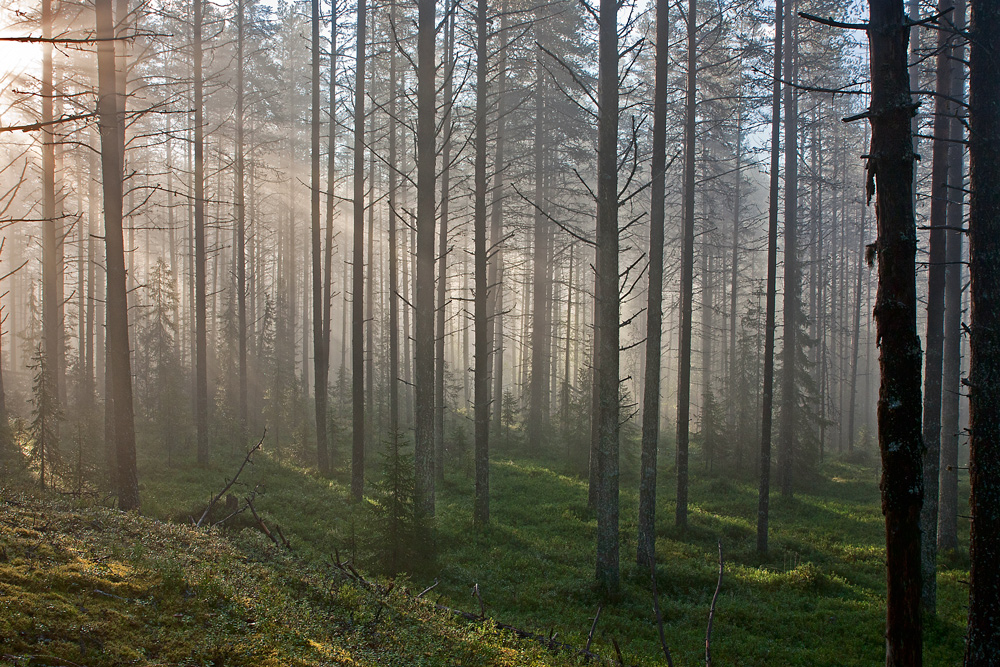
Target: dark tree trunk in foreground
{"x":983,"y":647}
{"x":481,"y":401}
{"x":890,"y":178}
{"x":646,"y":550}
{"x":687,"y":271}
{"x":201,"y":302}
{"x":423,"y":344}
{"x":934,"y":360}
{"x":767,"y":400}
{"x":119,"y":364}
{"x":321,"y":348}
{"x":358,"y":291}
{"x":607,"y":315}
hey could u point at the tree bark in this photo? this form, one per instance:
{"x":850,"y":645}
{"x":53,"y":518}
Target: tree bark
{"x":321,"y":348}
{"x":767,"y":399}
{"x":646,"y":549}
{"x":934,"y":360}
{"x":481,"y":400}
{"x":111,"y":119}
{"x":687,"y":271}
{"x":424,"y":298}
{"x":790,"y":298}
{"x":201,"y":303}
{"x":357,"y":296}
{"x":983,"y":638}
{"x":890,"y":178}
{"x":607,"y":315}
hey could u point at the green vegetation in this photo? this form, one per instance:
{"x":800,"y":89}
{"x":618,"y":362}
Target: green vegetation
{"x":171,"y":594}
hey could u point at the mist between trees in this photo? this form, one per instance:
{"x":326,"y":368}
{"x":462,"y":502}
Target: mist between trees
{"x":625,"y":239}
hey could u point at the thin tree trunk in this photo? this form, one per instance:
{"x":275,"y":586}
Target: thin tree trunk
{"x":767,"y":399}
{"x":442,"y":259}
{"x":495,"y":276}
{"x":241,"y":252}
{"x":646,"y":547}
{"x":200,"y":307}
{"x":934,"y":357}
{"x":424,"y":298}
{"x":357,"y":296}
{"x":481,"y":402}
{"x":687,"y":271}
{"x":951,"y":393}
{"x":393,"y":253}
{"x":790,"y":300}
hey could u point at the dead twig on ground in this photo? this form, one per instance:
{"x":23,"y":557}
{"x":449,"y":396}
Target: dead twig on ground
{"x":247,"y":459}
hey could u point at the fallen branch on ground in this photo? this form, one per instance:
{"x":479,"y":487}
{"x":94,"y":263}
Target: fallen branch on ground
{"x":548,"y":642}
{"x":229,"y":485}
{"x":711,"y":614}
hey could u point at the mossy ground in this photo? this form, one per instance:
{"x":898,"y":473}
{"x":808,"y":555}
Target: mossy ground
{"x":171,"y":594}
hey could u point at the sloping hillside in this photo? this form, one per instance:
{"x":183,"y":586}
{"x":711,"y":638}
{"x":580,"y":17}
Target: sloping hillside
{"x":92,"y":586}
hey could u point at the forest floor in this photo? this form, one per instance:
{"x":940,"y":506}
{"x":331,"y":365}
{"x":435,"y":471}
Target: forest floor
{"x":85,"y":583}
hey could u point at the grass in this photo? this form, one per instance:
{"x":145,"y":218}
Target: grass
{"x":817,"y":599}
{"x":88,"y":585}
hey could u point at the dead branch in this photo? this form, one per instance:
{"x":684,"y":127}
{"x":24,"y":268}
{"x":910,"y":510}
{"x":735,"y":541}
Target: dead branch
{"x":659,"y":616}
{"x":284,"y":540}
{"x":229,"y":485}
{"x":593,"y":627}
{"x":482,"y":607}
{"x":428,"y":589}
{"x":548,"y":642}
{"x":263,"y":526}
{"x":711,"y":613}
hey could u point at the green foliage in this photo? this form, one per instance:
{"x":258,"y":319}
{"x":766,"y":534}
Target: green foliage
{"x":94,"y":586}
{"x":394,"y":524}
{"x":45,"y":417}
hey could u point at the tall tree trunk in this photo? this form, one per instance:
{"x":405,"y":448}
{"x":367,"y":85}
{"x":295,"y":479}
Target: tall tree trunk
{"x":607,"y":316}
{"x":687,"y":271}
{"x":442,"y":259}
{"x":734,"y":265}
{"x":646,"y":548}
{"x":944,"y":110}
{"x":393,"y":252}
{"x":856,"y":343}
{"x":424,"y":299}
{"x":331,"y":163}
{"x":983,"y":647}
{"x":321,"y":348}
{"x":541,"y":333}
{"x":495,"y":276}
{"x":52,"y":335}
{"x":241,"y":236}
{"x":357,"y":303}
{"x":111,"y":119}
{"x":481,"y":401}
{"x":951,"y":390}
{"x":890,"y":178}
{"x":201,"y":303}
{"x":767,"y":399}
{"x":790,"y":300}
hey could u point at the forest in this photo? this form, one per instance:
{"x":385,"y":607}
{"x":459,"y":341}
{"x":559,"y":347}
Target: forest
{"x":507,"y":332}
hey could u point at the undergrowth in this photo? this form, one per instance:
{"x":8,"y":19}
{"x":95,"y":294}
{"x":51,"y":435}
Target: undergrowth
{"x":177,"y":595}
